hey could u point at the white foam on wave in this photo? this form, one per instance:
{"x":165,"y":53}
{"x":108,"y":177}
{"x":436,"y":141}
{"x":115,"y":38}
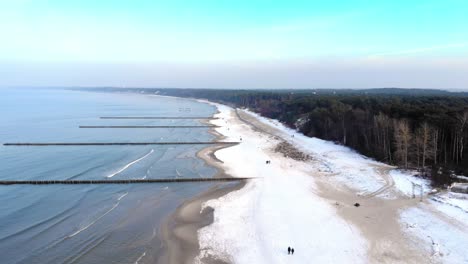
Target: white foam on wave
{"x":122,"y":196}
{"x":130,"y":164}
{"x":100,"y":217}
{"x":142,"y":255}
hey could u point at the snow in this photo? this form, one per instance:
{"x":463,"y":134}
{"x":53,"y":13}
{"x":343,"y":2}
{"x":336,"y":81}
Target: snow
{"x":404,"y":182}
{"x":461,"y":177}
{"x":453,"y":205}
{"x":348,"y":167}
{"x":445,"y":243}
{"x":257,"y":223}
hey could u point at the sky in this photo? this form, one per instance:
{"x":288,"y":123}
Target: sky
{"x":235,"y":44}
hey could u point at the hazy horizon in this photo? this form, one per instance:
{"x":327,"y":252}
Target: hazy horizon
{"x":241,"y":44}
{"x":454,"y":90}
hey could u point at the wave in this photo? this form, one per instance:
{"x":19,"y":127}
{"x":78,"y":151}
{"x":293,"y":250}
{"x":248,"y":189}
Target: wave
{"x":83,"y":172}
{"x":142,"y":255}
{"x":148,"y":171}
{"x":86,"y":247}
{"x":90,"y":224}
{"x":48,"y":222}
{"x":178,"y":173}
{"x":99,"y":218}
{"x":130,"y":164}
{"x":35,"y":225}
{"x":122,"y":196}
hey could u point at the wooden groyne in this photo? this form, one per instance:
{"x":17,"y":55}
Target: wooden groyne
{"x":203,"y":126}
{"x":120,"y":143}
{"x":134,"y":181}
{"x":158,"y":117}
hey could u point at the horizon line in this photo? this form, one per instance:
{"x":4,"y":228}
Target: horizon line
{"x":207,"y":88}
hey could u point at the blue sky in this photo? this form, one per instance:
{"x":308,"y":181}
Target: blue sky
{"x":235,"y":44}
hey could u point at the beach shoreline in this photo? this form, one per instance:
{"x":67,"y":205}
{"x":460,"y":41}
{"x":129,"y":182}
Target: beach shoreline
{"x":179,"y":232}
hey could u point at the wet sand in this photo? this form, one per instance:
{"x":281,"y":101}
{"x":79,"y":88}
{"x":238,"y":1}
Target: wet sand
{"x":180,"y":230}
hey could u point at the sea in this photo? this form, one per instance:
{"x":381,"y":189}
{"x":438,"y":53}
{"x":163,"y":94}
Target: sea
{"x":109,"y":223}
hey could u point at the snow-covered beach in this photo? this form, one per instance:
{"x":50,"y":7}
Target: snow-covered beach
{"x":310,"y":204}
{"x":257,"y":223}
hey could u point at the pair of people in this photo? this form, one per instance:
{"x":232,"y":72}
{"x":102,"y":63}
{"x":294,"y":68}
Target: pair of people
{"x":290,"y":250}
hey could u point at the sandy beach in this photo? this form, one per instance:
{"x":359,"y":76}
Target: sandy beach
{"x":180,"y":230}
{"x":308,"y":203}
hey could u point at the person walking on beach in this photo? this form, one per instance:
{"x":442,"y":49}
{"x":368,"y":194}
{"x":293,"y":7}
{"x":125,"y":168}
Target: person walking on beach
{"x":292,"y":251}
{"x":289,"y":250}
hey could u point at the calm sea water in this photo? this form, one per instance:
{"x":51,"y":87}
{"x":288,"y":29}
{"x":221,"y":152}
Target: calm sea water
{"x":92,"y":223}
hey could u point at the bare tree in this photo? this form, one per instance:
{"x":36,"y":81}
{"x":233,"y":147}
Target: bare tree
{"x":382,"y":124}
{"x":426,"y":146}
{"x":435,"y":142}
{"x":402,"y":140}
{"x":459,"y":143}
